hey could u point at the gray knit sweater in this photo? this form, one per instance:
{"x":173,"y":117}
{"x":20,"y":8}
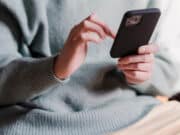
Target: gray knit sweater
{"x":97,"y":100}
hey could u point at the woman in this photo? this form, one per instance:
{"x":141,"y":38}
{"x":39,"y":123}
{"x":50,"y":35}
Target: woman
{"x":52,"y":83}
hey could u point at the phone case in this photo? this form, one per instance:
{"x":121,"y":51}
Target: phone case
{"x":130,"y":38}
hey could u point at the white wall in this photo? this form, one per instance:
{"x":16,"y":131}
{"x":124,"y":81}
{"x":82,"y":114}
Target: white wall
{"x":171,"y":28}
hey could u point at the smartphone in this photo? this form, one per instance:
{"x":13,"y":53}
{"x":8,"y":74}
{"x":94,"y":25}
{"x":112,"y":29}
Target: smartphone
{"x":135,"y":30}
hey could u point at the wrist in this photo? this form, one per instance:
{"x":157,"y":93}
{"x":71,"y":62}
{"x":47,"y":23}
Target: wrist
{"x":59,"y":69}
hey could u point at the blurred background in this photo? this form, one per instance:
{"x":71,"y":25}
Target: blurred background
{"x":170,"y":31}
{"x":171,"y":28}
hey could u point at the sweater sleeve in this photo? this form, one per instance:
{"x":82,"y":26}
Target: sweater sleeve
{"x":23,"y":77}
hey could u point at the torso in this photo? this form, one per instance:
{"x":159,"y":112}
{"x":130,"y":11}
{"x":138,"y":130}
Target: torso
{"x":110,"y":12}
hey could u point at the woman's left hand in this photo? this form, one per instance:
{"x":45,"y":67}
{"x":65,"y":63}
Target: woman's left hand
{"x":138,"y":68}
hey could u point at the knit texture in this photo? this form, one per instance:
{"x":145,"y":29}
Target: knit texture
{"x":97,"y":100}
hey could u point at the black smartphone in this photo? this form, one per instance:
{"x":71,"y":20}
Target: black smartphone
{"x":135,"y":30}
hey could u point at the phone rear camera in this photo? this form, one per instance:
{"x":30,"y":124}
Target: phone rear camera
{"x":133,"y":20}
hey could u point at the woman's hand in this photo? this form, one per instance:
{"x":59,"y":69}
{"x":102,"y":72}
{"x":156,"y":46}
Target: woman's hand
{"x":138,"y":68}
{"x":75,"y":50}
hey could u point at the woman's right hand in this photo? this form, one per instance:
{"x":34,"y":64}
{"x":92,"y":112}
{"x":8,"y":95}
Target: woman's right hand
{"x":75,"y":50}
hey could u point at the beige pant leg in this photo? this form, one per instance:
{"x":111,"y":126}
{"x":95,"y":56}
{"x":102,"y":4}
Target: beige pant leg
{"x":162,"y":120}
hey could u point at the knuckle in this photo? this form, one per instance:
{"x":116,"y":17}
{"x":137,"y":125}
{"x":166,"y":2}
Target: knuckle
{"x":82,"y":36}
{"x":145,"y":58}
{"x":148,"y":58}
{"x":122,"y":61}
{"x":100,"y":31}
{"x":128,"y":59}
{"x":148,"y":49}
{"x":85,"y":23}
{"x":138,"y":66}
{"x":135,"y":74}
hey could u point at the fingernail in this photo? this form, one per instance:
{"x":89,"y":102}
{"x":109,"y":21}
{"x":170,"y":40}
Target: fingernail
{"x":91,"y":16}
{"x":142,"y":50}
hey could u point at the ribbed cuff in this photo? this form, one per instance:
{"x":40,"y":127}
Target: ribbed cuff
{"x":62,"y":81}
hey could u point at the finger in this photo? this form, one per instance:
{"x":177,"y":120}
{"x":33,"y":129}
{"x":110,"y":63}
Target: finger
{"x":90,"y":26}
{"x":137,"y":76}
{"x":90,"y":37}
{"x":145,"y":67}
{"x":147,"y":49}
{"x":146,"y":58}
{"x":96,"y":20}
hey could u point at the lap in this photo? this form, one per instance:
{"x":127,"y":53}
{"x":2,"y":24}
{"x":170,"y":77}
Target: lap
{"x":162,"y":120}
